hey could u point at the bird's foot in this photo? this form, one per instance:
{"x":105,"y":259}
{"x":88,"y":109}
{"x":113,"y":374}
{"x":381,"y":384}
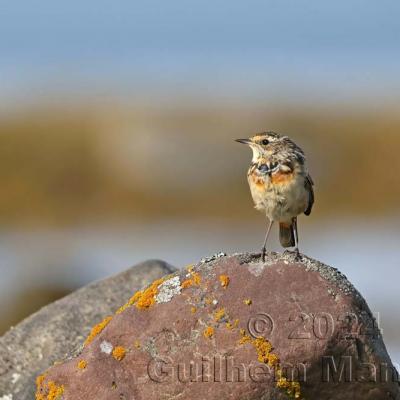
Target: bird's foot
{"x":295,"y":252}
{"x":263,"y":254}
{"x":297,"y":255}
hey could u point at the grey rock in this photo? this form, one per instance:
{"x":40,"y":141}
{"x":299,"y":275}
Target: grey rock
{"x":59,"y":329}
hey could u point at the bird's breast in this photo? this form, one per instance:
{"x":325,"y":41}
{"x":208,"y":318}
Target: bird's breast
{"x":264,"y":182}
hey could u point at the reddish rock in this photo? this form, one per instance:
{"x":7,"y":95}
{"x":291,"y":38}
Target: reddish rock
{"x":57,"y":330}
{"x":233,"y":327}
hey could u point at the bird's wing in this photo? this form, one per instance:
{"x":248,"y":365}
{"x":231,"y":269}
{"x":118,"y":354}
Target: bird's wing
{"x":308,"y":183}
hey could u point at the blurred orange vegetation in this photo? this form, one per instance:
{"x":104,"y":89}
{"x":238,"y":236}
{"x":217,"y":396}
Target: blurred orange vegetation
{"x":63,"y":165}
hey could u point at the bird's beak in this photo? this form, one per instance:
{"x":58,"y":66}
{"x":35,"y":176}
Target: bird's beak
{"x":244,"y":141}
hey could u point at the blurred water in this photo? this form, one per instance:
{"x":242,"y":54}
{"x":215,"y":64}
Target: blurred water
{"x":364,"y":250}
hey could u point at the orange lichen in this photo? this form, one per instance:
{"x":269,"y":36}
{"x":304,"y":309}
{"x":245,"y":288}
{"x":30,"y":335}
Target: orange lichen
{"x":224,"y":279}
{"x":143,"y":298}
{"x":186,"y":283}
{"x":208,"y":332}
{"x":219,"y":314}
{"x":195,"y":279}
{"x":40,"y":379}
{"x":119,"y":353}
{"x":148,"y":297}
{"x":248,"y":302}
{"x":39,"y":387}
{"x":193,"y":310}
{"x":82,"y":364}
{"x":130,"y":302}
{"x":97,"y":329}
{"x":55,"y":391}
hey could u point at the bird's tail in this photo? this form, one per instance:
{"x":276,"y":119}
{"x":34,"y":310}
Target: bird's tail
{"x":286,"y":234}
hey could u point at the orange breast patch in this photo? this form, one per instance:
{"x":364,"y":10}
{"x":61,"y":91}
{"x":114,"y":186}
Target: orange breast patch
{"x":281,"y":177}
{"x":259,"y":182}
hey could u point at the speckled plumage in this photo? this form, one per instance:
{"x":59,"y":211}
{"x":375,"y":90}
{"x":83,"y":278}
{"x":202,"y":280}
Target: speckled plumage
{"x":279,"y":182}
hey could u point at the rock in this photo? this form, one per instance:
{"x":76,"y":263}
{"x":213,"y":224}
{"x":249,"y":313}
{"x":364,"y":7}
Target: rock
{"x":58,"y":329}
{"x":233,"y":327}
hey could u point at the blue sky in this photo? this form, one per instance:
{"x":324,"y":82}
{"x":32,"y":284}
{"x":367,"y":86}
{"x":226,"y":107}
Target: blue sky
{"x":210,"y":47}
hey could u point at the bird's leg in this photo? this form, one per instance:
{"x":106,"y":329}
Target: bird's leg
{"x":264,"y":248}
{"x":296,"y":238}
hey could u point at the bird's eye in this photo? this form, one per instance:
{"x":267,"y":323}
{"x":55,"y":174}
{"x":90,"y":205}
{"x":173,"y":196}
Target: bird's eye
{"x":265,"y":142}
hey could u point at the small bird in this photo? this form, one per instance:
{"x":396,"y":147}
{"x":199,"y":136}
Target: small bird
{"x":279,"y":184}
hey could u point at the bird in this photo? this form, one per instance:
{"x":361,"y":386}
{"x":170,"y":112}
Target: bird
{"x":280,"y":184}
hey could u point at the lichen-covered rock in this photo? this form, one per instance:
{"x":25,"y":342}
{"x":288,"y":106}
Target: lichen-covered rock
{"x":233,"y":328}
{"x":59,"y":329}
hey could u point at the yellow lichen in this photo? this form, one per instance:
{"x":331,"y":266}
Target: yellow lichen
{"x":193,"y":310}
{"x":208,"y":332}
{"x":224,"y":279}
{"x":245,"y":339}
{"x":247,"y":302}
{"x":196,"y":278}
{"x":263,"y":348}
{"x":189,"y":268}
{"x":219,"y":314}
{"x":137,"y":344}
{"x":97,"y":329}
{"x":208,"y":300}
{"x":119,"y":353}
{"x":292,"y":387}
{"x":82,"y":364}
{"x":229,"y":325}
{"x":273,"y":360}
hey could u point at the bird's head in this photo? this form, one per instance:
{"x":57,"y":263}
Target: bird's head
{"x":262,"y":144}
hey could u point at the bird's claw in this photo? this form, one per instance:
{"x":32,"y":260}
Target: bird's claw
{"x":295,"y":252}
{"x":297,"y":255}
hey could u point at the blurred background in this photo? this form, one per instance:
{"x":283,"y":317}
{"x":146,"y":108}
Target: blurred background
{"x":117,"y":123}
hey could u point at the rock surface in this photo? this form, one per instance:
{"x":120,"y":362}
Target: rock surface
{"x":234,"y":327}
{"x":58,"y":329}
